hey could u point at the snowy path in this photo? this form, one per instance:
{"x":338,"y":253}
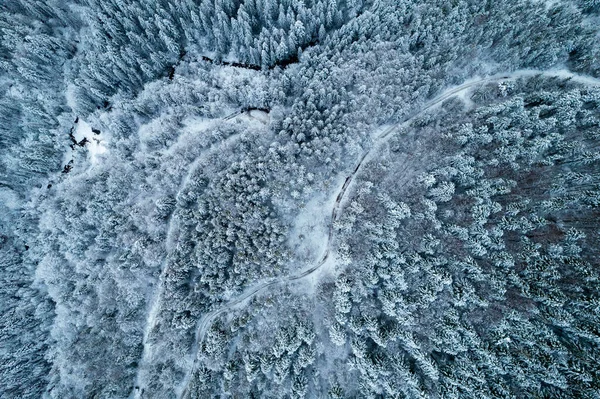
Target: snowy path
{"x":206,"y":321}
{"x":170,"y":241}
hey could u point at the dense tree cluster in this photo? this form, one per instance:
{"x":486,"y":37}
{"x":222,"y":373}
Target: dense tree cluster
{"x":272,"y":365}
{"x":482,"y":280}
{"x":462,"y":257}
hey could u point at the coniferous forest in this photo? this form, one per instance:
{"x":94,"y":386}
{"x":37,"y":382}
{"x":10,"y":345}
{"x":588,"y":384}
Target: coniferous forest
{"x":299,"y":199}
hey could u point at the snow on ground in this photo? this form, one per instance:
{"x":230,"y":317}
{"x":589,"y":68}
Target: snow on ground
{"x":331,"y":267}
{"x":9,"y":199}
{"x":566,"y":74}
{"x":465,"y":96}
{"x":558,"y":73}
{"x":196,"y":124}
{"x":96,"y":143}
{"x":310,"y":229}
{"x":260,"y":116}
{"x":70,"y":96}
{"x":254,"y":116}
{"x":196,"y":127}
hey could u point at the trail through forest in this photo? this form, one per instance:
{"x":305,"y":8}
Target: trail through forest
{"x":169,"y":244}
{"x":206,"y":321}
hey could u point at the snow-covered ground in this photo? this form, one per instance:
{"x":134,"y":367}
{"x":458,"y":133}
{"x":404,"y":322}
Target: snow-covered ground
{"x":260,"y":116}
{"x":310,"y":229}
{"x":8,"y":198}
{"x":96,"y":142}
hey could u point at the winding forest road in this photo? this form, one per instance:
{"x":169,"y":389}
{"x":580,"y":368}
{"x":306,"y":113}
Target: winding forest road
{"x":206,"y":321}
{"x":152,"y":317}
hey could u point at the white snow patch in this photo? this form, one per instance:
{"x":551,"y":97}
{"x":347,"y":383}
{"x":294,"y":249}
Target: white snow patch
{"x":254,"y":116}
{"x":197,"y":124}
{"x":199,"y":134}
{"x":9,"y":198}
{"x":196,"y":132}
{"x":331,"y":267}
{"x":565,"y":74}
{"x":310,"y":229}
{"x":309,"y":233}
{"x":558,"y":72}
{"x":465,"y":96}
{"x":70,"y":96}
{"x":96,"y":143}
{"x":260,"y":116}
{"x":548,"y":4}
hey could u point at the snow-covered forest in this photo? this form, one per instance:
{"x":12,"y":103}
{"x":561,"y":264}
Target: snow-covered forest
{"x":299,"y":199}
